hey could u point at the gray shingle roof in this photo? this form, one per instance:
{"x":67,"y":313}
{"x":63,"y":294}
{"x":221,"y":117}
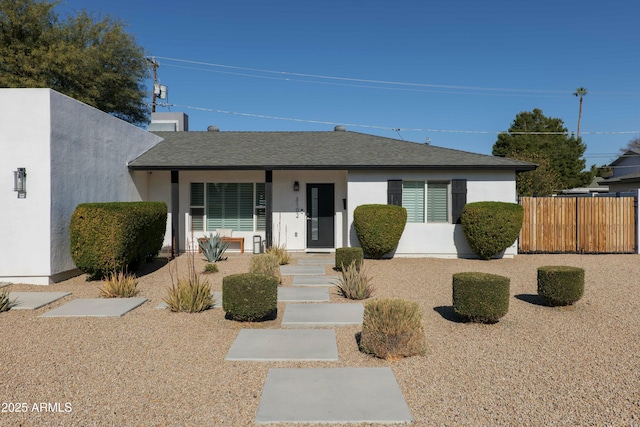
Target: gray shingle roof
{"x":306,"y":150}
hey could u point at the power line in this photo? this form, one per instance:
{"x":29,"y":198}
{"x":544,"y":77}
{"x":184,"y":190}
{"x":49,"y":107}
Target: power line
{"x":386,"y":82}
{"x":389,"y":128}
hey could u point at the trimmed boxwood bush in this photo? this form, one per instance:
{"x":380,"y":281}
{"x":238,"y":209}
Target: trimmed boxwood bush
{"x":345,"y":256}
{"x":379,"y":228}
{"x":491,"y":227}
{"x":392,"y":328}
{"x":250,"y":297}
{"x":480,"y":297}
{"x":560,"y":284}
{"x":108,"y":237}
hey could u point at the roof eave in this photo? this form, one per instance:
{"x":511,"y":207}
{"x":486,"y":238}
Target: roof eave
{"x":518,"y":168}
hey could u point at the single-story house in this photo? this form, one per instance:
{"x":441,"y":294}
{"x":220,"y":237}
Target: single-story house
{"x":626,"y":172}
{"x":297,"y":189}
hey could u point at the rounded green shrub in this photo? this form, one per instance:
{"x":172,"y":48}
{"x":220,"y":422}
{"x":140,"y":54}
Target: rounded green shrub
{"x":345,"y":256}
{"x":480,"y":297}
{"x":491,"y":227}
{"x":379,"y":228}
{"x":249,"y":297}
{"x":107,"y":237}
{"x":560,"y":284}
{"x":392,"y":329}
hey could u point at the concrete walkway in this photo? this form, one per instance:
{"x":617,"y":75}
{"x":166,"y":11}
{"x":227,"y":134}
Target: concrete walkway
{"x":279,"y":345}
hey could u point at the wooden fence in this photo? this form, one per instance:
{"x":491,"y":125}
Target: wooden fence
{"x":578,"y":225}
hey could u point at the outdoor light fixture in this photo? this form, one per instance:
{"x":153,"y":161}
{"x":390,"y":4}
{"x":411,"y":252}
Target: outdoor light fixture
{"x":296,"y":186}
{"x":20,"y":182}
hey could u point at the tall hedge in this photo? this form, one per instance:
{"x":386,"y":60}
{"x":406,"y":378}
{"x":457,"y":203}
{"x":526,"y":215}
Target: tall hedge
{"x":108,"y":237}
{"x":379,"y":228}
{"x":491,"y":227}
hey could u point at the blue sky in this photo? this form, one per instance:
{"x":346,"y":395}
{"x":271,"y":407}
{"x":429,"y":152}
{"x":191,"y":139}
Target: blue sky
{"x":470,"y":66}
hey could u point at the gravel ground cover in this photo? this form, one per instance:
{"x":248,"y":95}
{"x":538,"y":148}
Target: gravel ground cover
{"x":564,"y":366}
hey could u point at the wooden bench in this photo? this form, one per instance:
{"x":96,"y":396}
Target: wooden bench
{"x":228,"y":240}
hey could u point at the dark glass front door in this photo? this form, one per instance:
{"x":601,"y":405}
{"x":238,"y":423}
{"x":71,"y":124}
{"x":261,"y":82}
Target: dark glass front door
{"x":320,"y":216}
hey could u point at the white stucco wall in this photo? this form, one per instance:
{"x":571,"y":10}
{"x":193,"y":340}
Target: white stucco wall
{"x":73,"y":154}
{"x":25,"y":223}
{"x":438,"y":240}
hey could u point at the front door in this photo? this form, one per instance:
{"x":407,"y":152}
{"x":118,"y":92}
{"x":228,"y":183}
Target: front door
{"x":320,"y":216}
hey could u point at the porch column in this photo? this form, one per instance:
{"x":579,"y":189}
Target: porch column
{"x":268,"y":194}
{"x":175,"y":214}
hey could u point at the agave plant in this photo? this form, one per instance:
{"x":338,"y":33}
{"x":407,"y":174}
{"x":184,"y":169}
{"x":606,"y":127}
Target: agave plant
{"x":5,"y":302}
{"x":213,"y":247}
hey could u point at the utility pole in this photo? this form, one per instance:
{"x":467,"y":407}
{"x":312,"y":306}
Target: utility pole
{"x":155,"y":66}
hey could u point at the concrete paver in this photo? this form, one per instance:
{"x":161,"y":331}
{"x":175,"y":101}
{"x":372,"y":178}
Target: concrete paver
{"x":314,"y":280}
{"x":34,"y":300}
{"x":281,"y":345}
{"x":95,"y":307}
{"x":316,"y":315}
{"x":332,"y":395}
{"x":295,"y":270}
{"x":290,"y":294}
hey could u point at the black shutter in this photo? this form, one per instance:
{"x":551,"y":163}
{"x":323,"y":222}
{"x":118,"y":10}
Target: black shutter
{"x":394,"y":192}
{"x":458,"y":198}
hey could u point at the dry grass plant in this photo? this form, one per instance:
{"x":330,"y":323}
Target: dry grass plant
{"x":119,"y":285}
{"x":280,"y":251}
{"x":354,"y":283}
{"x":210,"y":268}
{"x":5,"y":302}
{"x":392,"y":329}
{"x":267,"y":264}
{"x":189,"y":294}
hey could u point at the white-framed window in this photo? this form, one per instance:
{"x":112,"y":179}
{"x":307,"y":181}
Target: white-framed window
{"x":419,"y":197}
{"x":438,"y":202}
{"x":413,"y":200}
{"x":238,"y":206}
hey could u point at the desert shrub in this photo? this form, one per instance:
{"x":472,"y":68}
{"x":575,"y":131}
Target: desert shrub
{"x":379,"y":228}
{"x":108,"y":237}
{"x":354,"y":283}
{"x":213,"y":247}
{"x":491,"y":227}
{"x":345,"y":256}
{"x":210,"y":268}
{"x":250,"y":297}
{"x":5,"y":302}
{"x":281,"y":253}
{"x":392,"y":329}
{"x":560,"y":285}
{"x":480,"y":297}
{"x":267,"y":264}
{"x":119,"y":285}
{"x":190,"y":295}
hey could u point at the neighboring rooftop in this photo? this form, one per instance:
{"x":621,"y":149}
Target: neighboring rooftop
{"x":214,"y":150}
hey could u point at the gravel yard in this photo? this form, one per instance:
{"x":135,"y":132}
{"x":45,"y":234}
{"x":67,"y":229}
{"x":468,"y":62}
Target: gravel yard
{"x":564,"y":366}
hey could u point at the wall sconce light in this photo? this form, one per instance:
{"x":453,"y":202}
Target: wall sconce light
{"x":296,"y":186}
{"x":20,"y":182}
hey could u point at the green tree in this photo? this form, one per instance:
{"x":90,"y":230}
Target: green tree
{"x":544,"y":140}
{"x":581,"y":93}
{"x":92,"y":60}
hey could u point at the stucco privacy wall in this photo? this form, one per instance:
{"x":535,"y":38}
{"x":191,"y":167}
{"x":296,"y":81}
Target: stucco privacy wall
{"x":289,"y":206}
{"x":79,"y":155}
{"x":25,"y":223}
{"x":439,"y":240}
